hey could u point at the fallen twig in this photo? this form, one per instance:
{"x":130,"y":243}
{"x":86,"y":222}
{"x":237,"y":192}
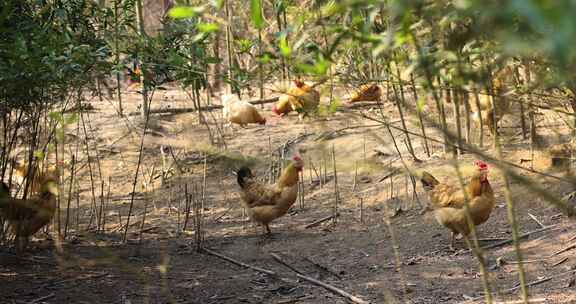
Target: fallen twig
{"x":531,"y":301}
{"x":322,"y":267}
{"x":387,"y":176}
{"x":42,"y":298}
{"x":206,"y":108}
{"x":92,"y":276}
{"x":523,"y":236}
{"x":533,"y":283}
{"x":536,"y":220}
{"x":322,"y":220}
{"x":279,"y":260}
{"x":559,"y":262}
{"x":491,"y":239}
{"x":233,"y":261}
{"x":329,"y":287}
{"x":564,"y":250}
{"x":301,"y":298}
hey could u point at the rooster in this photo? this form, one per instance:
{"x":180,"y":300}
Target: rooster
{"x":266,"y":203}
{"x":367,"y":93}
{"x":28,"y":216}
{"x":240,"y":112}
{"x":302,"y":98}
{"x":449,"y":201}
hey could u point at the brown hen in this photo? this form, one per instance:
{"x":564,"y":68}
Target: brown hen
{"x":264,"y":202}
{"x":28,"y":216}
{"x":448,"y":201}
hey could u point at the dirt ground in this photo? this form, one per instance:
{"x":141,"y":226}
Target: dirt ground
{"x":381,"y":248}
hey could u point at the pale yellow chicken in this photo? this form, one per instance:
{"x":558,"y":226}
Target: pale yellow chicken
{"x":240,"y":112}
{"x":264,"y":202}
{"x":492,"y":109}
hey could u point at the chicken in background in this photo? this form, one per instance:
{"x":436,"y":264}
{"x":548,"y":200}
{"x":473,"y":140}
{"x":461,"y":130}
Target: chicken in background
{"x":240,"y":112}
{"x":40,"y":172}
{"x":301,"y":98}
{"x":367,"y":92}
{"x":561,"y":155}
{"x":27,"y":216}
{"x":498,"y":104}
{"x":448,"y":201}
{"x":264,"y":202}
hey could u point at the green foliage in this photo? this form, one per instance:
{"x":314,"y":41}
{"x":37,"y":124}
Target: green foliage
{"x":256,"y":13}
{"x":185,"y":12}
{"x":56,"y":50}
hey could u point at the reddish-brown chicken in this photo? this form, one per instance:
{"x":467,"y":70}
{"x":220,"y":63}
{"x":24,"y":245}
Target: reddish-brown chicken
{"x":367,"y":92}
{"x":301,"y":98}
{"x":448,"y":202}
{"x":28,"y":216}
{"x":266,"y":203}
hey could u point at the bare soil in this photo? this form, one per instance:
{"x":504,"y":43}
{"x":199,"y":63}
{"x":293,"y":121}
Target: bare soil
{"x":380,"y":249}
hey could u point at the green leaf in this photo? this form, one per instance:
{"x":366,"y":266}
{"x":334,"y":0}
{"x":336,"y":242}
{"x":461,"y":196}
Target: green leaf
{"x":265,"y":58}
{"x":57,"y":116}
{"x":60,"y":135}
{"x":331,"y":8}
{"x":213,"y":60}
{"x":334,"y":106}
{"x":284,"y":47}
{"x":320,"y":67}
{"x":218,"y":3}
{"x":71,"y":118}
{"x":183,"y":12}
{"x":420,"y":104}
{"x":38,"y":154}
{"x":256,"y":13}
{"x":207,"y":27}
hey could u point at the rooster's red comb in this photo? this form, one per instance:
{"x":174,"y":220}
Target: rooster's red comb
{"x":298,"y":83}
{"x":481,"y":165}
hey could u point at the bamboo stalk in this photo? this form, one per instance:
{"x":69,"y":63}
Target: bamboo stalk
{"x":474,"y":245}
{"x":336,"y":191}
{"x":94,"y":212}
{"x":480,"y":120}
{"x":117,"y":56}
{"x":143,"y":68}
{"x":135,"y":180}
{"x":456,"y":103}
{"x":399,"y":106}
{"x":229,"y":43}
{"x":419,"y":114}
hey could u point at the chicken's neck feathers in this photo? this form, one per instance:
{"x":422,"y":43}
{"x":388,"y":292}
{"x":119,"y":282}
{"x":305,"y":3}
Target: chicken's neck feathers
{"x":288,"y":178}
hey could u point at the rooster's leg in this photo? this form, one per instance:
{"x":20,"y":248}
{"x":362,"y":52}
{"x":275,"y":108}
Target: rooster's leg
{"x":452,"y":240}
{"x":268,"y":232}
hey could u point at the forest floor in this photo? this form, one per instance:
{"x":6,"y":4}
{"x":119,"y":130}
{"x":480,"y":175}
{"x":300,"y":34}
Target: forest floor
{"x":381,"y":248}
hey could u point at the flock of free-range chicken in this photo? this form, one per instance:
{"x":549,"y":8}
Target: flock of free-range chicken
{"x":266,"y":202}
